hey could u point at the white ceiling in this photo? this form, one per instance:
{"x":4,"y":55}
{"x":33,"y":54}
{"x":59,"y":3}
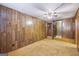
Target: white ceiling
{"x":64,"y":10}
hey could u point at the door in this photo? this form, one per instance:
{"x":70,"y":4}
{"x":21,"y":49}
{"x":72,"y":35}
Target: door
{"x":49,"y":29}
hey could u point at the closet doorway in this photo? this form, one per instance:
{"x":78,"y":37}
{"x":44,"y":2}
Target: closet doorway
{"x":57,"y":29}
{"x":64,"y":29}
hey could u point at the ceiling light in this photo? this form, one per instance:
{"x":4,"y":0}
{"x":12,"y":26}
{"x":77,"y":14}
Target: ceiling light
{"x":50,"y":14}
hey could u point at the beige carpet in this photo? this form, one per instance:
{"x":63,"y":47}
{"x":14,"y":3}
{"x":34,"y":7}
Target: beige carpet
{"x":47,"y":47}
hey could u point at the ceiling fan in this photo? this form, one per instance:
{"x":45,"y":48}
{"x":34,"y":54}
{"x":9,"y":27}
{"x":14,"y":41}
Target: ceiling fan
{"x":51,"y":14}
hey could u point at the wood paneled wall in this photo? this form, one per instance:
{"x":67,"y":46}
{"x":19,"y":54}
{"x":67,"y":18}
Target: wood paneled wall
{"x":14,"y":33}
{"x":68,"y":30}
{"x":77,"y":29}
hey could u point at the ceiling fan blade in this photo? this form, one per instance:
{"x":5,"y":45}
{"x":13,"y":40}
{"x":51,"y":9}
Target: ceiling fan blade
{"x":58,"y":7}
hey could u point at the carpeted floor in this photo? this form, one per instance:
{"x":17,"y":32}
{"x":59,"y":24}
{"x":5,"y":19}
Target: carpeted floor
{"x":47,"y":47}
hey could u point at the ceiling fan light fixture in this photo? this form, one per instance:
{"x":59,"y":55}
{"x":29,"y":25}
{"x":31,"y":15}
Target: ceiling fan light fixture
{"x":50,"y":14}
